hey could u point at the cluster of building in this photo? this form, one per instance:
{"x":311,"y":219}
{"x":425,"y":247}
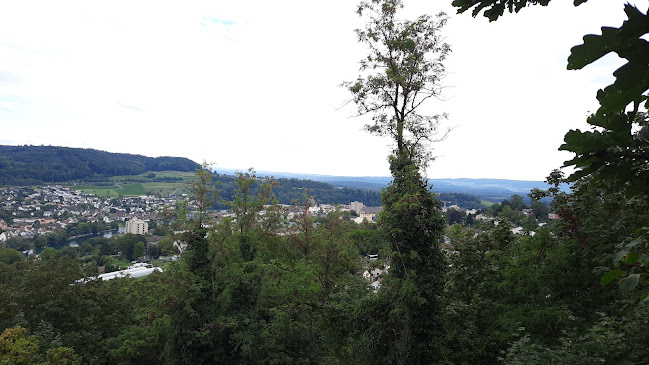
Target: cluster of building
{"x":292,"y":212}
{"x":374,"y":273}
{"x":35,"y":211}
{"x":29,"y":212}
{"x":370,"y":214}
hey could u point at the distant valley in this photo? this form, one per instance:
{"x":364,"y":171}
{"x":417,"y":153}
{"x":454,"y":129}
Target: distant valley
{"x":33,"y":165}
{"x":494,"y":190}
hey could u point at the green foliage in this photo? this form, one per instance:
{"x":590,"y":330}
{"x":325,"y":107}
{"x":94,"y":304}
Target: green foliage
{"x":633,"y":257}
{"x":160,"y":176}
{"x":615,"y":152}
{"x":632,"y":79}
{"x":16,"y":348}
{"x":62,"y":356}
{"x":454,"y":216}
{"x":42,"y":297}
{"x":493,"y":9}
{"x":139,"y":250}
{"x":610,"y":340}
{"x":499,"y":282}
{"x":18,"y":243}
{"x":19,"y":349}
{"x":249,"y":296}
{"x":124,"y":243}
{"x":10,"y":256}
{"x":403,"y":69}
{"x":368,"y":240}
{"x":466,"y":201}
{"x":540,"y":209}
{"x":203,"y":191}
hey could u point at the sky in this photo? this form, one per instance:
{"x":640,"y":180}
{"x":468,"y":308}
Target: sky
{"x":257,"y":83}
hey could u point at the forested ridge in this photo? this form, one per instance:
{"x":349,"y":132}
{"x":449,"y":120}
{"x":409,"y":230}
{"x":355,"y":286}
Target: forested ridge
{"x":288,"y":191}
{"x":32,"y":165}
{"x":291,"y":190}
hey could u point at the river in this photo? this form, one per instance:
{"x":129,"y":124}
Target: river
{"x":75,"y":242}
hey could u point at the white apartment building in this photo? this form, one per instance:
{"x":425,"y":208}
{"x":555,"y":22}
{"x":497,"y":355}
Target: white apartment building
{"x":137,"y":226}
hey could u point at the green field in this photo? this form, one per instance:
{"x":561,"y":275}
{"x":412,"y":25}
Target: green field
{"x":136,"y":185}
{"x":135,"y":189}
{"x":186,"y":176}
{"x":123,"y":264}
{"x":100,"y":191}
{"x":486,"y":203}
{"x":164,"y":189}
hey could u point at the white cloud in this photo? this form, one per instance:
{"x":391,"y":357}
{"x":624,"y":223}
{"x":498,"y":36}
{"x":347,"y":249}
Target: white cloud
{"x":255,"y":83}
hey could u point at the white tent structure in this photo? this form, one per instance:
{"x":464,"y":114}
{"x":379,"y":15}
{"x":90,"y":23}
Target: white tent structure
{"x":135,"y":271}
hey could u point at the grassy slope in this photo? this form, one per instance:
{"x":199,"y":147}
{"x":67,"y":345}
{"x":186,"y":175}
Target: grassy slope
{"x":142,"y":187}
{"x":158,"y":174}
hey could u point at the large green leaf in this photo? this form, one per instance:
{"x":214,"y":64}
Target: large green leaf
{"x":644,"y":259}
{"x":573,"y":139}
{"x":635,"y":188}
{"x":611,"y":275}
{"x":632,"y":258}
{"x":493,"y":9}
{"x":632,"y":79}
{"x":615,"y":122}
{"x":630,"y":282}
{"x":593,"y":48}
{"x":612,"y":39}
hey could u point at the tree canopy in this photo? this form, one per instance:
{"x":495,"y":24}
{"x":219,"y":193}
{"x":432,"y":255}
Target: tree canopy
{"x":403,"y":69}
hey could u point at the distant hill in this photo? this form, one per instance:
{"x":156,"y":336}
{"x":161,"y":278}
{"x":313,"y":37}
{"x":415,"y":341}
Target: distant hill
{"x":291,"y":190}
{"x":494,"y":190}
{"x":32,"y":165}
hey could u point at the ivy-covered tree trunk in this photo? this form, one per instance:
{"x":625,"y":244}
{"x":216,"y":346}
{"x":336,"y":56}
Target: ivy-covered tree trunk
{"x":414,"y":228}
{"x":404,"y":69}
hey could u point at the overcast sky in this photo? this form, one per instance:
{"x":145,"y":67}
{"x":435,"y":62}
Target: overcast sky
{"x":256,"y":83}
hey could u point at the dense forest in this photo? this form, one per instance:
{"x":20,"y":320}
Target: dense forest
{"x":289,"y":191}
{"x":34,"y":165}
{"x":243,"y":293}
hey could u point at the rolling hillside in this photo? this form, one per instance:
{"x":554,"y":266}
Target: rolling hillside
{"x":30,"y":165}
{"x":494,"y":190}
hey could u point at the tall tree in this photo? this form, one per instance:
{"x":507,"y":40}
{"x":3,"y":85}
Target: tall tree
{"x":402,"y":70}
{"x":248,"y":208}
